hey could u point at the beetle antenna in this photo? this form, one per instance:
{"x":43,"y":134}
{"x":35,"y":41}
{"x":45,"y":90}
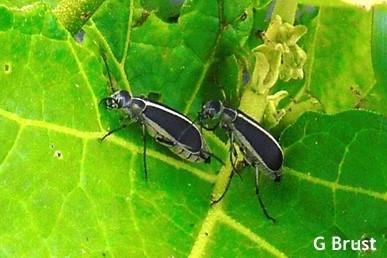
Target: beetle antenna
{"x":223,"y":95}
{"x":104,"y":58}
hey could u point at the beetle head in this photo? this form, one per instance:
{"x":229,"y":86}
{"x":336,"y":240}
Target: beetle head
{"x":118,"y":99}
{"x":211,"y":110}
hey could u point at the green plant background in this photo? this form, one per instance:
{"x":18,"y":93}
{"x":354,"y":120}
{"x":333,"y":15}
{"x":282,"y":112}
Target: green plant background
{"x":63,"y":193}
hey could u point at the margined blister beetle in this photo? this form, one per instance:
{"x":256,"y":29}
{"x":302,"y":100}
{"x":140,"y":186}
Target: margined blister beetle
{"x":258,"y":147}
{"x":167,"y":126}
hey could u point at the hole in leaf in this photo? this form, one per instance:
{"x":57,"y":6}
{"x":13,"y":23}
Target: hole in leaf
{"x":260,"y":34}
{"x":58,"y":154}
{"x":80,"y":36}
{"x":243,"y":16}
{"x":173,"y":19}
{"x":85,"y":15}
{"x":155,"y":96}
{"x":7,"y":68}
{"x":246,"y":76}
{"x":139,"y":21}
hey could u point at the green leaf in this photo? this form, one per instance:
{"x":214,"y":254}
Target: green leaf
{"x":71,"y":194}
{"x":22,"y":3}
{"x":63,"y":193}
{"x":378,"y":93}
{"x":160,"y":48}
{"x":339,"y":73}
{"x":165,"y":9}
{"x":355,"y":175}
{"x":337,"y":69}
{"x":332,"y":3}
{"x":332,"y":185}
{"x":344,"y":65}
{"x":379,"y":35}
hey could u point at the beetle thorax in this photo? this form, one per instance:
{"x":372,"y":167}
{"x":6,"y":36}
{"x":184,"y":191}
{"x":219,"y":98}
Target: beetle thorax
{"x":228,"y":116}
{"x":136,"y":106}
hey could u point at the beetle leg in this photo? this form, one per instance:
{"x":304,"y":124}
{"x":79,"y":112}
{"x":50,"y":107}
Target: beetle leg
{"x":124,"y":119}
{"x":233,"y":153}
{"x":164,"y":141}
{"x":241,"y":164}
{"x":123,"y":126}
{"x":144,"y":152}
{"x":225,"y":190}
{"x":208,"y":153}
{"x":113,"y":131}
{"x":232,"y":161}
{"x":259,"y":197}
{"x":234,"y":170}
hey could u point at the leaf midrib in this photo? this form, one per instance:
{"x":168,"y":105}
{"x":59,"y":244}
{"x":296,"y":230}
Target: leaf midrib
{"x":23,"y":122}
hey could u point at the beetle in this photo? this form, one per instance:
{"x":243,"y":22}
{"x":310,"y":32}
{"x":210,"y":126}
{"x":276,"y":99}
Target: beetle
{"x":167,"y":126}
{"x":258,"y":147}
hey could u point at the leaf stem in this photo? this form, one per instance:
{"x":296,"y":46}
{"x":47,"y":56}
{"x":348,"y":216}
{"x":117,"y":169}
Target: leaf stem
{"x":286,"y":9}
{"x":73,"y":14}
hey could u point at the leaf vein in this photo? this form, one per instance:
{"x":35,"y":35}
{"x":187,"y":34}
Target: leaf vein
{"x":114,"y":139}
{"x":335,"y":186}
{"x":166,"y":217}
{"x":128,"y":34}
{"x":107,"y":48}
{"x":100,"y":224}
{"x":346,"y":151}
{"x":94,"y":99}
{"x":9,"y":153}
{"x":131,"y":209}
{"x":208,"y":225}
{"x":59,"y":216}
{"x":210,"y":59}
{"x":226,"y":219}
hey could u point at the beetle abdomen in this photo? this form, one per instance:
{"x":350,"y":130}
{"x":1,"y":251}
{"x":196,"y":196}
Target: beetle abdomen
{"x":261,"y":141}
{"x":176,"y":125}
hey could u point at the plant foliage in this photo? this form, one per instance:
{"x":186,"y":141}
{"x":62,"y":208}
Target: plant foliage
{"x":64,"y":193}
